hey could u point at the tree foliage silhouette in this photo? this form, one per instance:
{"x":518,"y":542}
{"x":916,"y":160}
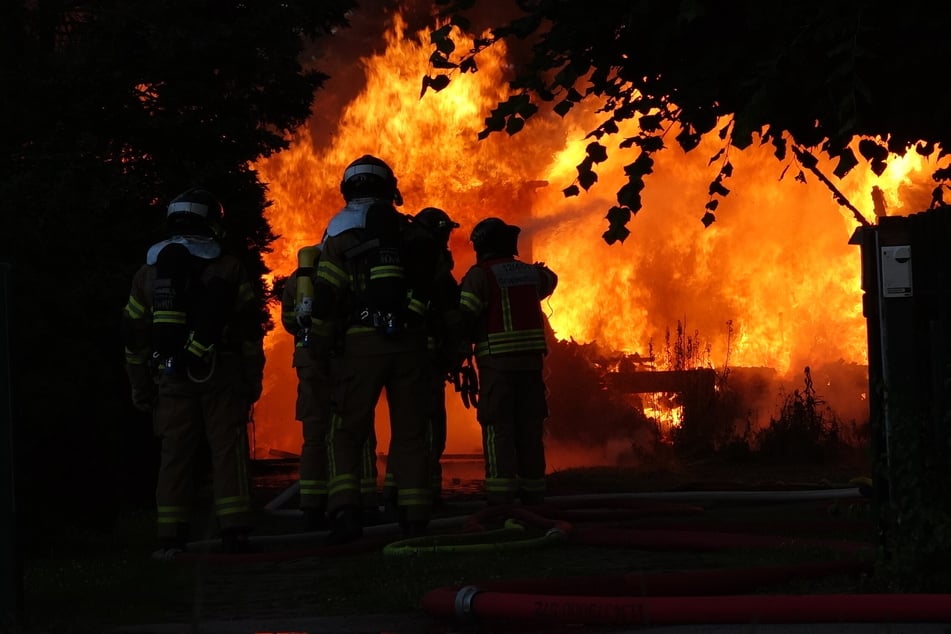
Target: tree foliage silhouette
{"x":852,"y":80}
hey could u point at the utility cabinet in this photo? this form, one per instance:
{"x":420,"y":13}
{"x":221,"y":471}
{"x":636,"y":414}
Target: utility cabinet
{"x":906,"y":284}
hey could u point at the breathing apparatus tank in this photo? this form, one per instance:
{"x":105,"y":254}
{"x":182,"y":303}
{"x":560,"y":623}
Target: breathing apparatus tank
{"x":304,"y":302}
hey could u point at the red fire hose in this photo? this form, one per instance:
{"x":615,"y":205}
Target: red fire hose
{"x":471,"y":602}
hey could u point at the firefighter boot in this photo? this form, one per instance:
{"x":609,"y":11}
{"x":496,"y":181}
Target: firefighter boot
{"x":315,"y":519}
{"x":346,"y":525}
{"x":169,"y":547}
{"x":236,"y":541}
{"x":412,"y":528}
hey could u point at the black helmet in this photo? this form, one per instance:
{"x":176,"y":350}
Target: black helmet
{"x":436,"y":221}
{"x":492,"y":236}
{"x":194,"y":212}
{"x":369,"y":177}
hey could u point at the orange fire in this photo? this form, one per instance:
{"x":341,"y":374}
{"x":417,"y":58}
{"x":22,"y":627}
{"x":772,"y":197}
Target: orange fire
{"x":776,"y":265}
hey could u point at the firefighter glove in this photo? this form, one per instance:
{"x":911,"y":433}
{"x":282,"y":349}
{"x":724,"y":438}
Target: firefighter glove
{"x":144,"y":399}
{"x":144,"y":389}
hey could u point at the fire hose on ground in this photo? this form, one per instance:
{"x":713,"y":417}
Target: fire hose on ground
{"x":632,"y":505}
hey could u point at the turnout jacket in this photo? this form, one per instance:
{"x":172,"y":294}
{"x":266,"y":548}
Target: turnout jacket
{"x":239,"y":352}
{"x":500,"y":301}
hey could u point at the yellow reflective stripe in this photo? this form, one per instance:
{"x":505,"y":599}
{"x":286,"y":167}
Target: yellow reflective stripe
{"x":491,"y":463}
{"x":313,"y":487}
{"x":515,"y":341}
{"x":174,"y":317}
{"x":234,"y":508}
{"x":516,"y":335}
{"x":322,"y":327}
{"x":134,"y":309}
{"x":332,"y":274}
{"x":414,"y":497}
{"x":470,"y":302}
{"x":198,"y":349}
{"x":532,"y":485}
{"x":367,"y":485}
{"x":335,"y":422}
{"x":136,"y":357}
{"x":417,"y":307}
{"x":506,"y":310}
{"x":343,"y":483}
{"x":172,"y":514}
{"x":500,"y":485}
{"x":387,"y":271}
{"x":358,"y":330}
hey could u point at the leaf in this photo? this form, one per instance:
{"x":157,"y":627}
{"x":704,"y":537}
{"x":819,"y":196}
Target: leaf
{"x":597,"y":152}
{"x":649,"y":122}
{"x":941,"y":174}
{"x":587,"y":178}
{"x":439,"y":82}
{"x":438,"y":60}
{"x":618,"y":216}
{"x":468,"y":65}
{"x":643,"y":164}
{"x":651,"y":143}
{"x":629,"y":194}
{"x":616,"y":234}
{"x":872,"y":150}
{"x":446,"y":46}
{"x":712,"y":205}
{"x":715,"y":156}
{"x":527,"y":109}
{"x":571,"y":190}
{"x":495,"y":123}
{"x":432,"y":82}
{"x":708,"y":219}
{"x":562,"y":107}
{"x":727,"y":169}
{"x":514,"y":125}
{"x":717,"y":189}
{"x":441,"y":33}
{"x":801,"y":176}
{"x":628,"y":142}
{"x":847,"y":161}
{"x":780,"y":144}
{"x":688,"y":140}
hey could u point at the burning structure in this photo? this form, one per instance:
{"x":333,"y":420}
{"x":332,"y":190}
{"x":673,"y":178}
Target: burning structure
{"x":771,"y":288}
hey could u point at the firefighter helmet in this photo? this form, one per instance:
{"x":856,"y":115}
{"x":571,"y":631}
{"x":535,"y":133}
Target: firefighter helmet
{"x":493,"y":236}
{"x":370,"y":177}
{"x":194,"y":212}
{"x":436,"y":221}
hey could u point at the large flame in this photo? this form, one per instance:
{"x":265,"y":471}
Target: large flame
{"x":773,"y":283}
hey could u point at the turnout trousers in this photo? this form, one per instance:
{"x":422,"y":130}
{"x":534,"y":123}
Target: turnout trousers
{"x":512,"y":411}
{"x":186,"y":415}
{"x":313,"y":411}
{"x":370,"y":365}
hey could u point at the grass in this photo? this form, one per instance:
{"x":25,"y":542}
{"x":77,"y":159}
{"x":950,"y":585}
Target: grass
{"x":93,"y":581}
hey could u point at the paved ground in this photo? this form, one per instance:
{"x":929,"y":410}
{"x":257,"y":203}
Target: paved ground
{"x":422,"y":623}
